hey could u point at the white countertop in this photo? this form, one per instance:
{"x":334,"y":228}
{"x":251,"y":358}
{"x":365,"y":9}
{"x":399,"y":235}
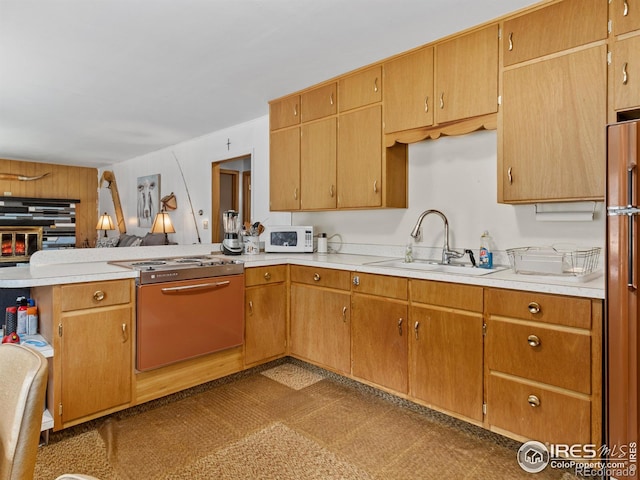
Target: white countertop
{"x":90,"y":265}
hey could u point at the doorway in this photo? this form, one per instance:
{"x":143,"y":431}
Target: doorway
{"x":230,"y":190}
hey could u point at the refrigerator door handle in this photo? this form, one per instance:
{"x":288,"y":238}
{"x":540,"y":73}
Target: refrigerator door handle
{"x":630,"y":248}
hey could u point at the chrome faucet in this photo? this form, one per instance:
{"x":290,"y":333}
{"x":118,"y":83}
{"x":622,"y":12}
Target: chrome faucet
{"x":447,"y":253}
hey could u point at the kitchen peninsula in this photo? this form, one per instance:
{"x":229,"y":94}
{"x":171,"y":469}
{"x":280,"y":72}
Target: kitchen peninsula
{"x":471,"y":365}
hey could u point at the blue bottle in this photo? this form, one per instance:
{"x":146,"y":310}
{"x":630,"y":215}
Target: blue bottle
{"x":486,"y":251}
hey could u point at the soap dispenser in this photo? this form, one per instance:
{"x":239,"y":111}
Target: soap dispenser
{"x":486,"y":251}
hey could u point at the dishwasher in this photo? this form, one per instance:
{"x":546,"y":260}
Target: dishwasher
{"x":186,"y":307}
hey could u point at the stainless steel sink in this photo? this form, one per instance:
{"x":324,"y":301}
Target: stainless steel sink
{"x":435,"y":266}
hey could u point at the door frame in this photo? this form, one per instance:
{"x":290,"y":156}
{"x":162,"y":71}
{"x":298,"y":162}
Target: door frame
{"x":216,"y":170}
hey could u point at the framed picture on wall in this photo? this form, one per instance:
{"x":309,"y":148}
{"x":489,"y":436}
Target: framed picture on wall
{"x":148,"y":199}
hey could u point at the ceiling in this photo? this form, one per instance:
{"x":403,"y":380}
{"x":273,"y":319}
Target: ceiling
{"x":97,"y":82}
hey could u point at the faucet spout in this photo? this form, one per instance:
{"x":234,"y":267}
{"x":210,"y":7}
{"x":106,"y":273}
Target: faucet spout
{"x":447,"y":253}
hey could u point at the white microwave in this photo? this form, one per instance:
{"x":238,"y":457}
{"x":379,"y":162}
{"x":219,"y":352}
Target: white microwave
{"x":289,"y":238}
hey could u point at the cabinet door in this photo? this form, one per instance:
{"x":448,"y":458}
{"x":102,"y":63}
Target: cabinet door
{"x":360,"y":89}
{"x":265,"y":323}
{"x":625,"y":16}
{"x":96,"y":361}
{"x":446,"y":360}
{"x":284,"y":170}
{"x":626,"y":73}
{"x":408,"y":91}
{"x":360,"y":158}
{"x":553,"y":128}
{"x":380,"y":346}
{"x":319,"y":102}
{"x":467,"y":75}
{"x":573,"y":23}
{"x":320,"y":326}
{"x":318,"y":165}
{"x":285,"y":112}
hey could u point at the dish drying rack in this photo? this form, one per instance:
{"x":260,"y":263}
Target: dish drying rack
{"x":554,"y":260}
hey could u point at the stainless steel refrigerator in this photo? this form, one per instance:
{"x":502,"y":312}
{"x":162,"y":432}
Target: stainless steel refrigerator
{"x":623,"y":278}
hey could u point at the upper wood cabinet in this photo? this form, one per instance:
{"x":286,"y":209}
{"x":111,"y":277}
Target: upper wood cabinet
{"x":626,"y":73}
{"x":284,"y":112}
{"x":408,"y":91}
{"x":360,"y":89}
{"x":552,"y":134}
{"x":467,"y":75}
{"x":284,"y":170}
{"x":318,"y":103}
{"x":554,"y":28}
{"x":318,"y":165}
{"x":625,"y":16}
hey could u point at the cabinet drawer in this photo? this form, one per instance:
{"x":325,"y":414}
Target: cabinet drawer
{"x":360,"y":89}
{"x":548,"y":355}
{"x":323,"y":277}
{"x":539,"y":307}
{"x":381,"y":285}
{"x":573,"y":23}
{"x":558,"y":418}
{"x":265,"y":275}
{"x":463,"y":297}
{"x":284,"y":112}
{"x":92,"y":295}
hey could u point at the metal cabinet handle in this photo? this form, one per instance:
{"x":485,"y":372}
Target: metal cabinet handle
{"x":250,"y":307}
{"x":295,"y":193}
{"x":533,"y":400}
{"x":415,"y":329}
{"x":625,"y":76}
{"x":98,"y":295}
{"x":316,"y":277}
{"x":375,"y":85}
{"x":534,"y":307}
{"x":331,"y":99}
{"x":356,"y":280}
{"x":625,"y":10}
{"x":442,"y":100}
{"x":426,"y":104}
{"x":331,"y":191}
{"x":533,"y":340}
{"x":125,"y":336}
{"x":267,"y":276}
{"x":510,"y":176}
{"x":400,"y":326}
{"x":375,"y":186}
{"x":199,"y":286}
{"x":510,"y":41}
{"x":344,"y":314}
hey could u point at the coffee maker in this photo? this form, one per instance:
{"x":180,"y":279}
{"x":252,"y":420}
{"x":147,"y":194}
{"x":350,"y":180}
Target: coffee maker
{"x":231,"y":244}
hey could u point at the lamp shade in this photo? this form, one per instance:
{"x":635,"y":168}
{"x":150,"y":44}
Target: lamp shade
{"x":162,"y":224}
{"x":105,"y":223}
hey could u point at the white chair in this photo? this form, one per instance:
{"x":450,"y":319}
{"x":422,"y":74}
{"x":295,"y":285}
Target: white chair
{"x":23,"y":383}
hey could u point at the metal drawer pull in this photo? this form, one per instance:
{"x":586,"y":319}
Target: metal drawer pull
{"x":415,"y":328}
{"x":625,"y":76}
{"x":124,"y":333}
{"x":267,"y":276}
{"x":344,"y":314}
{"x":400,"y":327}
{"x":534,"y":307}
{"x":195,"y":287}
{"x":625,"y":11}
{"x":533,"y":401}
{"x":375,"y":85}
{"x":331,"y":99}
{"x":98,"y":295}
{"x":316,"y":277}
{"x":533,"y":340}
{"x":250,"y":307}
{"x":295,"y":110}
{"x":510,"y":41}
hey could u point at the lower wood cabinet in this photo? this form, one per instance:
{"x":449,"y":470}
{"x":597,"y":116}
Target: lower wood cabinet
{"x":380,"y":329}
{"x":321,"y":317}
{"x":90,"y":328}
{"x":446,"y":347}
{"x":543,"y":364}
{"x":265,"y":314}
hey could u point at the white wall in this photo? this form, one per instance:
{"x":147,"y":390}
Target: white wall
{"x":456,"y":175}
{"x":195,"y":157}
